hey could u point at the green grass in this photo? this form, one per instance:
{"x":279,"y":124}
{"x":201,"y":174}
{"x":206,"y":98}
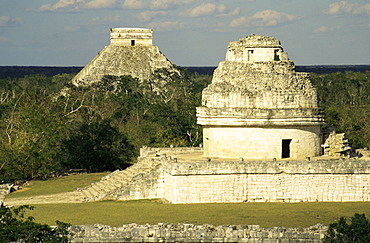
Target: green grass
{"x":56,"y":185}
{"x":153,"y":212}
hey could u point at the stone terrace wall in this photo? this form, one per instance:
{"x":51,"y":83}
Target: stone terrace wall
{"x":329,"y":166}
{"x":142,"y":186}
{"x":335,"y":180}
{"x":196,"y":233}
{"x":267,"y":181}
{"x":149,"y":151}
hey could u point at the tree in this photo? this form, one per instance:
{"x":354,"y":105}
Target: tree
{"x":97,"y":147}
{"x":346,"y":98}
{"x":15,"y":227}
{"x":357,"y":231}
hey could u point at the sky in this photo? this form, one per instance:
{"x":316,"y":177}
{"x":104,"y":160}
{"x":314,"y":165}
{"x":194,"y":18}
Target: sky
{"x":187,"y":32}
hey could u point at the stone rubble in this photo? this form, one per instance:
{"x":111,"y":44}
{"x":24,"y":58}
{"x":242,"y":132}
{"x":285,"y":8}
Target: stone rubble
{"x":166,"y":232}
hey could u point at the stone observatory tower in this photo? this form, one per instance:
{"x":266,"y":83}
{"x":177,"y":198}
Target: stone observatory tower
{"x":130,"y":52}
{"x":258,"y":107}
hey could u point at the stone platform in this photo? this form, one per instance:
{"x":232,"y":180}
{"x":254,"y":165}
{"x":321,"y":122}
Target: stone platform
{"x":184,"y":175}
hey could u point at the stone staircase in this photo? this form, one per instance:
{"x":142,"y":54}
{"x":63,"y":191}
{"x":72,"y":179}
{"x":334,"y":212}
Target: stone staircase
{"x":101,"y":190}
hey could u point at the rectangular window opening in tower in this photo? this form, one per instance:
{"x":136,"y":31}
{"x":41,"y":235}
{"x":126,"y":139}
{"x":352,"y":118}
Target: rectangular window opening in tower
{"x":276,"y":55}
{"x":285,"y":148}
{"x":132,"y":42}
{"x":250,"y":52}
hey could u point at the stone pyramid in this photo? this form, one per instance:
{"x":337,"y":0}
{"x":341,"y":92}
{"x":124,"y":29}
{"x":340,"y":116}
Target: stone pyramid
{"x":130,"y":52}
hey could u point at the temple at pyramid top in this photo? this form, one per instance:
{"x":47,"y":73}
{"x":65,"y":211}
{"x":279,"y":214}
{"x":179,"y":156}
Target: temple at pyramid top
{"x":131,"y":52}
{"x":131,"y":37}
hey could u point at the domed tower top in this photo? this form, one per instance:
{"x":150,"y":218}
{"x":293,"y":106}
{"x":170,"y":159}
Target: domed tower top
{"x":256,"y":48}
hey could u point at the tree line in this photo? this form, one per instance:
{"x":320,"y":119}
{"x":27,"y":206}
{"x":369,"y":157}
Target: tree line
{"x":47,"y":125}
{"x":346,"y":99}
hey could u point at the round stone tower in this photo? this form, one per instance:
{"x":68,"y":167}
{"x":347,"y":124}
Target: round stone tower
{"x":258,"y":107}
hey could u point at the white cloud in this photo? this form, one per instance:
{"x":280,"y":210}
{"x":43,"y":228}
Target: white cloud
{"x":239,"y":22}
{"x":100,"y":4}
{"x":149,"y":15}
{"x":134,"y":4}
{"x":168,"y":4}
{"x":266,"y":18}
{"x":323,"y":29}
{"x":77,"y":5}
{"x":205,"y":9}
{"x":6,"y":21}
{"x":72,"y":28}
{"x":231,"y":13}
{"x":222,"y":8}
{"x":106,"y":19}
{"x":168,"y":26}
{"x":344,"y":7}
{"x":62,"y":5}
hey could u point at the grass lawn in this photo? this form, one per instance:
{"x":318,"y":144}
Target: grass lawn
{"x":56,"y":185}
{"x":152,"y":212}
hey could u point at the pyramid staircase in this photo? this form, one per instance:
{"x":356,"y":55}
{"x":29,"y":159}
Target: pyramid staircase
{"x":101,"y":190}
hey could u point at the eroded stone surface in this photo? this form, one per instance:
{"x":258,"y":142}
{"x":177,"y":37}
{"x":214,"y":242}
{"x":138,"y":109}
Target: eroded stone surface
{"x":130,"y":53}
{"x":257,"y":102}
{"x":165,"y":232}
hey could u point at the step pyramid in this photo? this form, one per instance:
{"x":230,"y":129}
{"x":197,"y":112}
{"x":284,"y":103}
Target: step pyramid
{"x":130,"y":53}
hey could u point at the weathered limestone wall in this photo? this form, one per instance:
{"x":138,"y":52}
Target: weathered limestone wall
{"x":131,"y":37}
{"x":262,"y":85}
{"x":205,"y":188}
{"x":142,"y":186}
{"x":257,"y":55}
{"x":261,"y":142}
{"x":255,"y":49}
{"x":178,"y":180}
{"x":149,"y":151}
{"x":308,"y":188}
{"x":218,"y":181}
{"x":228,"y":116}
{"x":267,"y":181}
{"x":195,"y":233}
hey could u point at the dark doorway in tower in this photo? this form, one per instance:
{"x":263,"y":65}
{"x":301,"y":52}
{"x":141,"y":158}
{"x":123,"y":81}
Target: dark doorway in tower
{"x":285,"y":150}
{"x":132,"y":42}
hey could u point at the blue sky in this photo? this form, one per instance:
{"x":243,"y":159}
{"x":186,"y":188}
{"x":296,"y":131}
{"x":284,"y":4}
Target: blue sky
{"x":188,"y":32}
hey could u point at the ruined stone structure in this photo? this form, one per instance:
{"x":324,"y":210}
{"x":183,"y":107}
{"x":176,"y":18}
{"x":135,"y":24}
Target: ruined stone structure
{"x":335,"y":144}
{"x":196,"y":233}
{"x":130,"y":52}
{"x":258,"y":107}
{"x":183,"y":175}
